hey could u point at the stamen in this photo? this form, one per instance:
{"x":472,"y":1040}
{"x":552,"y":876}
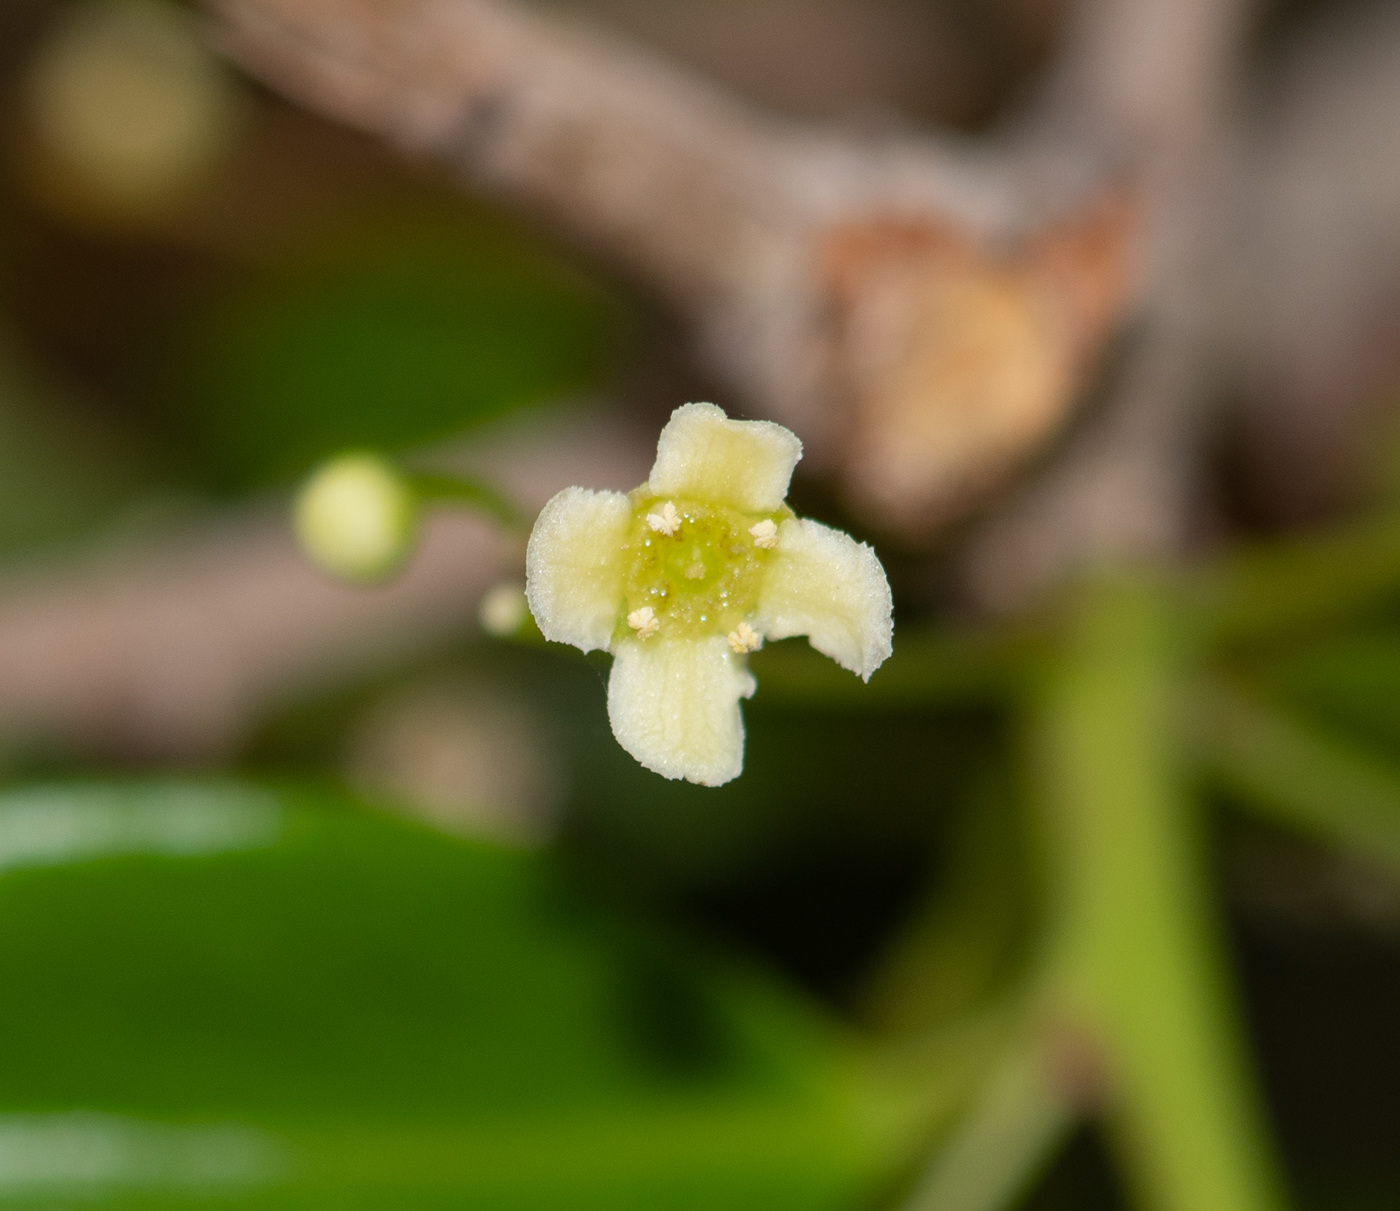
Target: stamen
{"x":695,"y":571}
{"x":765,"y":534}
{"x":644,"y":622}
{"x":744,"y":638}
{"x":666,"y":522}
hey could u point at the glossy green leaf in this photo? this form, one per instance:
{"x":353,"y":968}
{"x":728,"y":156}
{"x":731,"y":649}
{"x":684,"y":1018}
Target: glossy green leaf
{"x":280,"y":999}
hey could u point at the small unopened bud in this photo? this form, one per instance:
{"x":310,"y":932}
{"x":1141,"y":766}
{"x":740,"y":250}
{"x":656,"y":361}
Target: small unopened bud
{"x":127,"y":110}
{"x":503,"y":610}
{"x":357,"y":517}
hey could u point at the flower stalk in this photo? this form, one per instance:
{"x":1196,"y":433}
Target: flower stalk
{"x":1136,"y":970}
{"x":359,"y":514}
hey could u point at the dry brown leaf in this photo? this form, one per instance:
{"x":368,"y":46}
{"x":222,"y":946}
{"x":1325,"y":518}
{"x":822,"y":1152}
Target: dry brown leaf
{"x":960,"y":362}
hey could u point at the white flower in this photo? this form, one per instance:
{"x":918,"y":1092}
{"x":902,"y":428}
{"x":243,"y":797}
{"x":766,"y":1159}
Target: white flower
{"x":685,"y":576}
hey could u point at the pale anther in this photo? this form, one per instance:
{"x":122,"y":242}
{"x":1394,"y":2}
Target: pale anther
{"x":765,"y":534}
{"x":666,"y":522}
{"x":644,"y":622}
{"x":744,"y":638}
{"x":695,"y":571}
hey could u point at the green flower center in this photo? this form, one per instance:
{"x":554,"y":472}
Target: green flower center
{"x":697,"y":566}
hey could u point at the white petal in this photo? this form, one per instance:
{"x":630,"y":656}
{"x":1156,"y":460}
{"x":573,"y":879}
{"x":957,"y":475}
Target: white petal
{"x":574,"y":566}
{"x":744,"y":463}
{"x":674,"y":705}
{"x":825,"y":585}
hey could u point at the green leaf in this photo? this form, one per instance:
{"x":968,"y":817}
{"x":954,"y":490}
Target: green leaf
{"x":1281,"y":765}
{"x":1272,"y":592}
{"x":61,"y":471}
{"x":386,"y":339}
{"x":1350,"y":684}
{"x":929,"y":668}
{"x":284,"y":1000}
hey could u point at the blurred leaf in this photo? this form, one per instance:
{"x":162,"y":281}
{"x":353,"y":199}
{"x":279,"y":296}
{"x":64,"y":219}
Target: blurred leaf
{"x":386,"y":339}
{"x":1350,"y":683}
{"x":282,"y":1000}
{"x":1276,"y":591}
{"x":929,"y":668}
{"x":60,"y":473}
{"x":1285,"y":767}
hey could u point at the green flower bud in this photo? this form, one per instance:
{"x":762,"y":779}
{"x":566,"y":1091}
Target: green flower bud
{"x":357,"y":517}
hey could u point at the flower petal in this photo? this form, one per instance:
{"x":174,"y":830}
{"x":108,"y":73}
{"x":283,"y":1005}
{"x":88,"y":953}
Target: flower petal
{"x":574,"y":566}
{"x":746,"y":464}
{"x":674,"y":705}
{"x":825,"y":585}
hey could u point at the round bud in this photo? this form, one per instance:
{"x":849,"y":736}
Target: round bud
{"x":357,"y":517}
{"x":126,"y":110}
{"x":503,"y":610}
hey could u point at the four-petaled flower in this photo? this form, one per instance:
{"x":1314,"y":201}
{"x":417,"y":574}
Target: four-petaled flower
{"x":685,"y":576}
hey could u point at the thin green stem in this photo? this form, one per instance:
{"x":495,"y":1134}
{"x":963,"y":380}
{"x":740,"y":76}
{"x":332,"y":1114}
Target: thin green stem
{"x":1137,"y":964}
{"x":965,"y":944}
{"x":474,"y":494}
{"x":1015,"y":1125}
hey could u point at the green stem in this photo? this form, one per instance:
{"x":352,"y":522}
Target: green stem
{"x":1014,"y":1127}
{"x":473,"y":494}
{"x":964,"y":946}
{"x":1137,"y":967}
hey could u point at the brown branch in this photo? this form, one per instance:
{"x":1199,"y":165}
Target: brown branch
{"x":173,"y":651}
{"x":1154,"y":81}
{"x":924,"y":323}
{"x":1147,"y":79}
{"x":1313,"y":299}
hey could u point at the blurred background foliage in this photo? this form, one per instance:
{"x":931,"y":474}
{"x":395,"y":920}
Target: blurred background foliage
{"x":432,"y":939}
{"x":458,"y":323}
